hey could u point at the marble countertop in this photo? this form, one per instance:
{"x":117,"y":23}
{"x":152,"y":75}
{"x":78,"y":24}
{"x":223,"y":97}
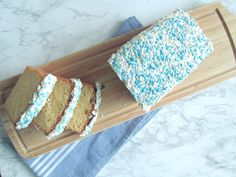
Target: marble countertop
{"x":195,"y":136}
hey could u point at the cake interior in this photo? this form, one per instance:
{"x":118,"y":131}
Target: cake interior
{"x":83,"y":109}
{"x":56,"y":103}
{"x":22,"y":94}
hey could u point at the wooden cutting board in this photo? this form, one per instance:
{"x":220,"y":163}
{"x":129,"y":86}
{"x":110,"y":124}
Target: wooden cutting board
{"x":117,"y":104}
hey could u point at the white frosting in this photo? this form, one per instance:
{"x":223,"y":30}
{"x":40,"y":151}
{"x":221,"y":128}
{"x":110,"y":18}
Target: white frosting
{"x":40,"y":97}
{"x":68,"y":112}
{"x":95,"y":112}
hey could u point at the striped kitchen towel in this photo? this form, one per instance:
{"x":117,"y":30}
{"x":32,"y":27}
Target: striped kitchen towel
{"x":85,"y":158}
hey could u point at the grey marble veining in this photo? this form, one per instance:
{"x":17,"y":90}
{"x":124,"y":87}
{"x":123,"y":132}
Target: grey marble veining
{"x":195,"y":136}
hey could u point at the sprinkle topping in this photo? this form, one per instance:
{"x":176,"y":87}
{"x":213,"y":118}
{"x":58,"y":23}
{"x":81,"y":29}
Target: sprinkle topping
{"x":161,"y":57}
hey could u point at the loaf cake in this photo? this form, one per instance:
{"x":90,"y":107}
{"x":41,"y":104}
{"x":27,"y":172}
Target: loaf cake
{"x":160,"y":57}
{"x":53,"y":103}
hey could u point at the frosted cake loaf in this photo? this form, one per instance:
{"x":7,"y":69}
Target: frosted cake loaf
{"x":162,"y":56}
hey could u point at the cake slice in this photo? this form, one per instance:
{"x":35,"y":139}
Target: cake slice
{"x":50,"y":102}
{"x":83,"y":124}
{"x":160,"y":57}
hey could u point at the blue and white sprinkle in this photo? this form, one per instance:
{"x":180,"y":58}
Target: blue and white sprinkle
{"x":161,"y":57}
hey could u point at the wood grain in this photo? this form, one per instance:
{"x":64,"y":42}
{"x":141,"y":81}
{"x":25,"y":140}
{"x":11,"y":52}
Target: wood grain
{"x":117,"y":104}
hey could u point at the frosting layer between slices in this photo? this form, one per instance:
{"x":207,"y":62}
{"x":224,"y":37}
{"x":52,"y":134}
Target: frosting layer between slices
{"x":68,"y":113}
{"x":40,"y":97}
{"x":94,"y":115}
